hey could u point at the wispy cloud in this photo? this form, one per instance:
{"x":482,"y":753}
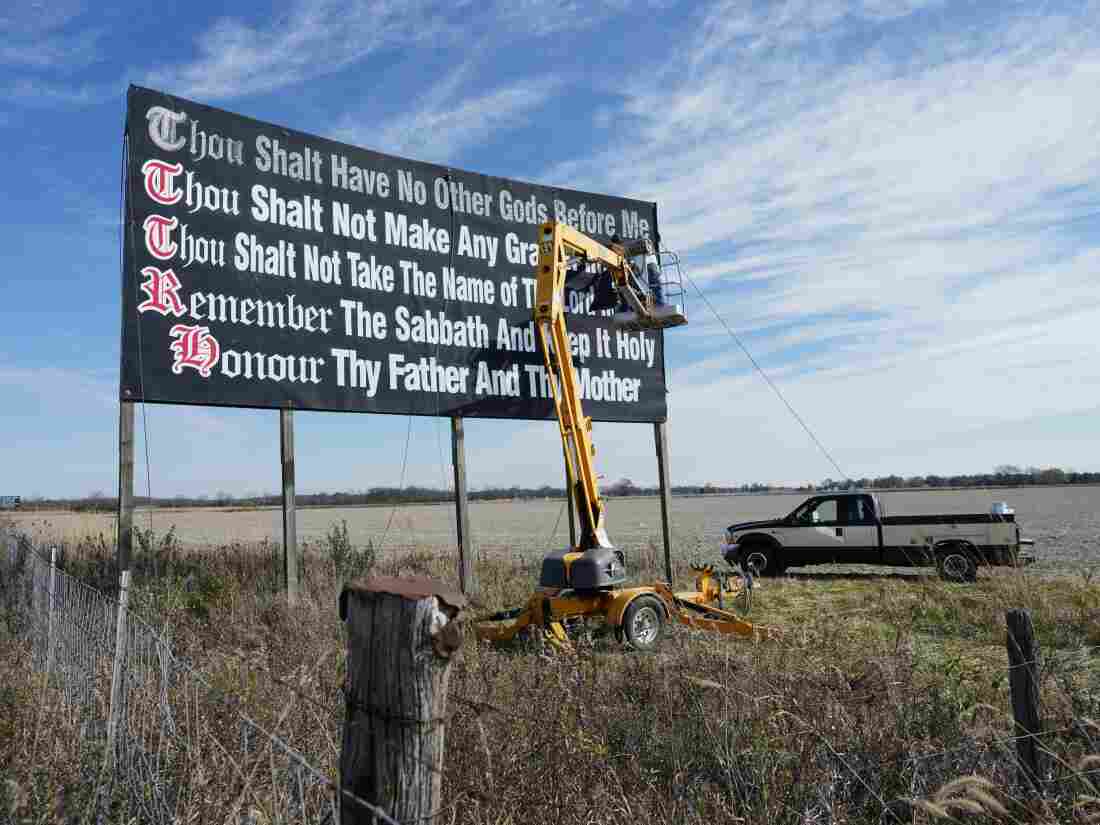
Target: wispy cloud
{"x":43,"y":47}
{"x":867,"y":179}
{"x":536,"y":18}
{"x":316,"y":38}
{"x":45,"y":35}
{"x":919,"y":202}
{"x":65,"y":51}
{"x":38,"y":91}
{"x":443,"y":123}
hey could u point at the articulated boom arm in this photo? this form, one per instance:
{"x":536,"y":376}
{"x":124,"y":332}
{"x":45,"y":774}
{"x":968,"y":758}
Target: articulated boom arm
{"x":559,"y":244}
{"x":586,"y":581}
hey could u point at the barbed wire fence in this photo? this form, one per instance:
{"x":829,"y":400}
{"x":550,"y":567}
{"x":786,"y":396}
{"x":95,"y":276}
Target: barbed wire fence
{"x":170,"y":746}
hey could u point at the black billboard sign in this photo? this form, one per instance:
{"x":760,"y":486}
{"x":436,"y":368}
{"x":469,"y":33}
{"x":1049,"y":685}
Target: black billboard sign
{"x":265,"y":267}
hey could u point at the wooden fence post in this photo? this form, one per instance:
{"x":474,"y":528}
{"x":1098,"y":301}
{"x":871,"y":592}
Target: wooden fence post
{"x":115,"y":712}
{"x":401,"y":637}
{"x":50,"y":622}
{"x":1023,"y":682}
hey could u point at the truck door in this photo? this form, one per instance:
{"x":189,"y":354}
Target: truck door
{"x":813,"y":536}
{"x":859,"y":529}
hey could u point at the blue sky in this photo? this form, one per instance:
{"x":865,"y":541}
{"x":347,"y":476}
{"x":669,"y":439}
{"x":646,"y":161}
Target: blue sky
{"x":895,"y":202}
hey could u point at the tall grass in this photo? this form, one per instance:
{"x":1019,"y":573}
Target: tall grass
{"x":882,"y":693}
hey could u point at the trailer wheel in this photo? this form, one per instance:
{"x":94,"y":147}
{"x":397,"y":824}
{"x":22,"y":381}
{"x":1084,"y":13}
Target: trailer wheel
{"x":761,"y":560}
{"x":643,"y":623}
{"x":955,"y":564}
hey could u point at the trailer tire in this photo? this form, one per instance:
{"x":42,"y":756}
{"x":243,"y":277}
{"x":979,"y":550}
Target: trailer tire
{"x":956,"y":563}
{"x":761,"y":560}
{"x":643,"y":623}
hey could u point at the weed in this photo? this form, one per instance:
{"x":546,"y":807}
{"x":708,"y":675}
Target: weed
{"x":348,"y":561}
{"x":159,"y":552}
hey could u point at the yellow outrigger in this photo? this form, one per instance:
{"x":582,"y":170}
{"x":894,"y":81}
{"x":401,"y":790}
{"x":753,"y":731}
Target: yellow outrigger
{"x":637,"y":614}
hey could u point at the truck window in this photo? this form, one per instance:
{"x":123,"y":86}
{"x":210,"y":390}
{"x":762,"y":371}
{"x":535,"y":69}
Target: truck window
{"x":804,"y":513}
{"x":826,"y":511}
{"x":859,"y":510}
{"x":817,"y":512}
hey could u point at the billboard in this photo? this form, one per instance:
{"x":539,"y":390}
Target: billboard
{"x":270,"y":268}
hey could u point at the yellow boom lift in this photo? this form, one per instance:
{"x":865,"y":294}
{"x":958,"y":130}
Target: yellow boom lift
{"x":589,"y":581}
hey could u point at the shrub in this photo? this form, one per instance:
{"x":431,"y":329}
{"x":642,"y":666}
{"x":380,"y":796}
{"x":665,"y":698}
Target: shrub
{"x":348,"y":561}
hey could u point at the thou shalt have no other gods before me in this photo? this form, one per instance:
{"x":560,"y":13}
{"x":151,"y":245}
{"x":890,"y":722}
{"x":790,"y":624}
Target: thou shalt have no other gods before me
{"x":270,"y":268}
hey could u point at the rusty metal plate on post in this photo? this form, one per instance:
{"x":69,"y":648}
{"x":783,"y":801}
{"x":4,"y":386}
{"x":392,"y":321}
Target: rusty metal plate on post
{"x":413,"y":587}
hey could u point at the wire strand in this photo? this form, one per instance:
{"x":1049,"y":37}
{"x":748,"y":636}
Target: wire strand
{"x":400,"y":486}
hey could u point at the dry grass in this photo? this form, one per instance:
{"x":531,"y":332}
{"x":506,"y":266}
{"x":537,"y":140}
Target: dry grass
{"x":883,"y":692}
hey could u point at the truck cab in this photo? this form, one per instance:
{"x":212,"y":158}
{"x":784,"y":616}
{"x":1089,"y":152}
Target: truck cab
{"x":825,"y":529}
{"x":853,"y":528}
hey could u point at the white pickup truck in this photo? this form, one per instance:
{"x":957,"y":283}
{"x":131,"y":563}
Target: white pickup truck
{"x":853,"y":528}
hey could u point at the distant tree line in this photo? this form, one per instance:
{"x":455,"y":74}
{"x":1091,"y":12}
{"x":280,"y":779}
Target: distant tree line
{"x":1006,"y":475}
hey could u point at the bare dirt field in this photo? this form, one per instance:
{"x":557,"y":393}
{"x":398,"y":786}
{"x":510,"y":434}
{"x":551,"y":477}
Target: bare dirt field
{"x":1064,"y":521}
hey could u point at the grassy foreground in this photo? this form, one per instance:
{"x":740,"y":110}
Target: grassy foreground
{"x":885,"y":701}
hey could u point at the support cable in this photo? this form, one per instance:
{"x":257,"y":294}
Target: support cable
{"x":401,"y":485}
{"x":764,"y":375}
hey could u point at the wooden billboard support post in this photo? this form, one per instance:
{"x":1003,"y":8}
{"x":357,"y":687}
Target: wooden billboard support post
{"x":660,"y":439}
{"x":569,"y":503}
{"x":467,"y":580}
{"x":402,"y":634}
{"x":125,"y":536}
{"x":291,"y":561}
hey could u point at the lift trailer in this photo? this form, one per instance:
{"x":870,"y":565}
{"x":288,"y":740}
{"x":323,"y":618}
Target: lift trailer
{"x":588,"y":581}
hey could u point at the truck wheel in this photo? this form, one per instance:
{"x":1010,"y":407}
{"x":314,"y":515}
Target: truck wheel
{"x":956,"y":565}
{"x":761,"y":560}
{"x":643,"y":623}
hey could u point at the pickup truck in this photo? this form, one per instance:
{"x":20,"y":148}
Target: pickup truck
{"x":853,"y":528}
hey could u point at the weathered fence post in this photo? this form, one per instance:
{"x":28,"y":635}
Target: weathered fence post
{"x":50,"y":623}
{"x":1023,"y":682}
{"x":402,"y":634}
{"x":115,"y":712}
